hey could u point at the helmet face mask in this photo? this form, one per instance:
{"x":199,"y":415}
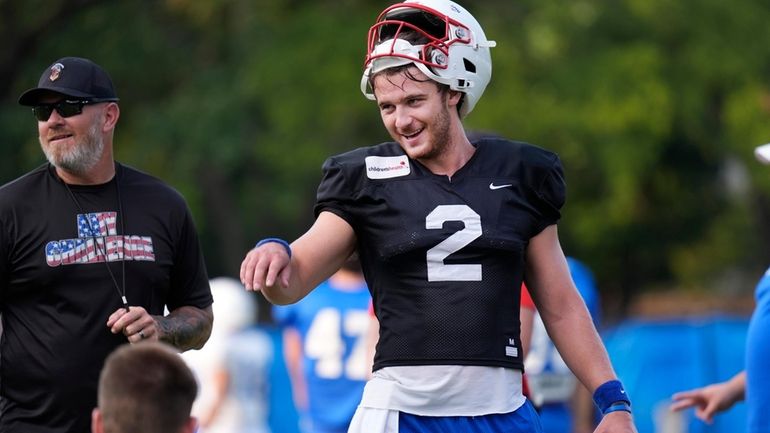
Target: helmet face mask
{"x":419,"y":29}
{"x":440,"y":38}
{"x":419,"y":19}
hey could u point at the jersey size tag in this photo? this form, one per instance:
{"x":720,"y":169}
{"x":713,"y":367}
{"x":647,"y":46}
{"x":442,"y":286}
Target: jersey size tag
{"x":511,"y":350}
{"x":385,"y":167}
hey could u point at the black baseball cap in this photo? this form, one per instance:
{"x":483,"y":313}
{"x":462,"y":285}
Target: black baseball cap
{"x":74,"y":77}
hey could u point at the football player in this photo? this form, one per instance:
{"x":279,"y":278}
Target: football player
{"x":446,"y":230}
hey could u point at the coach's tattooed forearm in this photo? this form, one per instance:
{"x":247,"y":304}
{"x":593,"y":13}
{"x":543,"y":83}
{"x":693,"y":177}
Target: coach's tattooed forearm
{"x":186,"y":327}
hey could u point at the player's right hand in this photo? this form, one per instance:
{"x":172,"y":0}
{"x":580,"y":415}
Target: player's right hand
{"x":264,"y":266}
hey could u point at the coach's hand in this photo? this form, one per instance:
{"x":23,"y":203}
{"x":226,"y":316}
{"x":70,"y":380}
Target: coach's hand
{"x":136,"y":324}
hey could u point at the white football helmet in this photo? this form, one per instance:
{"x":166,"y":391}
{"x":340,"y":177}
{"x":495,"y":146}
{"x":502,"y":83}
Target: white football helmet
{"x":449,"y":47}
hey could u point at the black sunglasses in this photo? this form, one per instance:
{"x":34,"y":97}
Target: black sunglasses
{"x":65,"y":108}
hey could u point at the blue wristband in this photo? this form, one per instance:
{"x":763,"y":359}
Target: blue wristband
{"x":622,"y":406}
{"x":278,"y":241}
{"x":608,"y":394}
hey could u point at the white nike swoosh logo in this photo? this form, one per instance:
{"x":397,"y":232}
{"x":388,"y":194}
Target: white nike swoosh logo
{"x":493,"y":187}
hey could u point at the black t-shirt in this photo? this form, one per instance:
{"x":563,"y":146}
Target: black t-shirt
{"x":444,"y":258}
{"x":56,"y":293}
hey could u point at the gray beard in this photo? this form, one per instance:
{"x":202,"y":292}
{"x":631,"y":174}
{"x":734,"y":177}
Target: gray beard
{"x":83,"y":157}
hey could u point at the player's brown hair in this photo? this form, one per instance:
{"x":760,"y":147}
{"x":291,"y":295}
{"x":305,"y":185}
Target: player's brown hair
{"x":145,"y":388}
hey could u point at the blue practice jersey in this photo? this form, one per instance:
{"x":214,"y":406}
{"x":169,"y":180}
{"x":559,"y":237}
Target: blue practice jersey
{"x":757,"y":354}
{"x":248,"y":357}
{"x":333,"y":325}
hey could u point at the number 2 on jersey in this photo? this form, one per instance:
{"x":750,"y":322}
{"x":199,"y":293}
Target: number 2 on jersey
{"x":437,"y":269}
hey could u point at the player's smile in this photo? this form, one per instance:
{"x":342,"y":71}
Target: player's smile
{"x":412,"y":135}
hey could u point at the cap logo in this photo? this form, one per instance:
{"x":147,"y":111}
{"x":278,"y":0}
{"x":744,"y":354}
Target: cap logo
{"x":56,"y":71}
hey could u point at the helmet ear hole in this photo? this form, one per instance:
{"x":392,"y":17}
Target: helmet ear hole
{"x":469,"y":66}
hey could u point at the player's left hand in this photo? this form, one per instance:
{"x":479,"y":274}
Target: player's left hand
{"x":616,"y":422}
{"x":136,"y":324}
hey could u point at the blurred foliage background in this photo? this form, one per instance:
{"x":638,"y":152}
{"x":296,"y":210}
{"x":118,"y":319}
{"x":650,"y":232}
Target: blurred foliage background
{"x":654,"y":106}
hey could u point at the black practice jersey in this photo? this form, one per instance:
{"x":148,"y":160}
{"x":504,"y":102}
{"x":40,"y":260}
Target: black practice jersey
{"x":56,"y":293}
{"x":444,"y":258}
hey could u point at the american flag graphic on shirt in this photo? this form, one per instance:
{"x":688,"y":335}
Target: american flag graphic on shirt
{"x":98,"y":241}
{"x":97,"y":224}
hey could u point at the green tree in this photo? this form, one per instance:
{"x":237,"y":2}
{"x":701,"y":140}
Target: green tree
{"x":653,"y":105}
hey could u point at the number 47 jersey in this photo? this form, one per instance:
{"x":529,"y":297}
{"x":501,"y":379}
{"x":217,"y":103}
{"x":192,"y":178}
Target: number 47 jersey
{"x":444,"y":258}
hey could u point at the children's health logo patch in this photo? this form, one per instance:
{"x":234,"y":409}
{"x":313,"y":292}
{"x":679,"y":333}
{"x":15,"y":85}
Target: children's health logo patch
{"x":385,"y":167}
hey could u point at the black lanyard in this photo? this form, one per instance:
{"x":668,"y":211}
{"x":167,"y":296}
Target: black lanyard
{"x":122,"y":288}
